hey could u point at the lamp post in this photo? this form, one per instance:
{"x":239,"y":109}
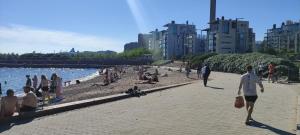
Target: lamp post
{"x":236,"y":35}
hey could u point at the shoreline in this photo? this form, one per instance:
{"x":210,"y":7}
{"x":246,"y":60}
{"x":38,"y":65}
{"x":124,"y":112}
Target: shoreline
{"x":83,"y":79}
{"x":92,"y":86}
{"x":15,"y":77}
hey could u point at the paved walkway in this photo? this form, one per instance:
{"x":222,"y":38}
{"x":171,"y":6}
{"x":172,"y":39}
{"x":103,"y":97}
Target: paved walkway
{"x":186,"y":110}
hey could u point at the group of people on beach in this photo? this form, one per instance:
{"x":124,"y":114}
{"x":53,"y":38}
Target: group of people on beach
{"x":10,"y":102}
{"x":147,"y":76}
{"x":111,"y":75}
{"x":32,"y":95}
{"x":54,"y":85}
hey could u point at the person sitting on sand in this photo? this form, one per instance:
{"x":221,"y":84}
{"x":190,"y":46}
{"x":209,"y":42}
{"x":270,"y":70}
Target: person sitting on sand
{"x":9,"y":104}
{"x":29,"y":100}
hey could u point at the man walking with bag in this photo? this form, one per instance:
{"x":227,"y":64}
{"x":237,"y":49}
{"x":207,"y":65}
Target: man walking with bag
{"x":248,"y":82}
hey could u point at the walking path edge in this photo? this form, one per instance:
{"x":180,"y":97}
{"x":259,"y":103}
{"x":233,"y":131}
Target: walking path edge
{"x":50,"y":110}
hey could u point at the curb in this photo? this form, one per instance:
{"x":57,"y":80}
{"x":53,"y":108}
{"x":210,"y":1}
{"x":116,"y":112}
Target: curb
{"x":50,"y":110}
{"x":298,"y":117}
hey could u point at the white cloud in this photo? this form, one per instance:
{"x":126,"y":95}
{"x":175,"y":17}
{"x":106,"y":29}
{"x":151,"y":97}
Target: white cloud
{"x":22,"y":39}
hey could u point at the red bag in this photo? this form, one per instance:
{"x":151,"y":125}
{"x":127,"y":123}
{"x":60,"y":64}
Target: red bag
{"x":239,"y":102}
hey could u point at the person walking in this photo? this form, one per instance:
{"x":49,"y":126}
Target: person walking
{"x":199,"y":74}
{"x":271,"y":69}
{"x":205,"y":74}
{"x":248,"y":83}
{"x":260,"y":70}
{"x":188,"y":69}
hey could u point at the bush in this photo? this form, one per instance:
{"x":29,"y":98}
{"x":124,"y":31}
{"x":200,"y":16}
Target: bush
{"x":236,"y":63}
{"x":199,"y":59}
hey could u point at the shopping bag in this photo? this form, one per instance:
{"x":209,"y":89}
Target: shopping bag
{"x":239,"y":102}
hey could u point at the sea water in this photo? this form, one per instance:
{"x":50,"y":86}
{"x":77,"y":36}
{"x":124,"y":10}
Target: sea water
{"x":15,"y":78}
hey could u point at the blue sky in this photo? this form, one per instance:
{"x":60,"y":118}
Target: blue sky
{"x":59,"y":25}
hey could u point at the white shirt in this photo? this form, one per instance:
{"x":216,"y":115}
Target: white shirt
{"x":248,"y":82}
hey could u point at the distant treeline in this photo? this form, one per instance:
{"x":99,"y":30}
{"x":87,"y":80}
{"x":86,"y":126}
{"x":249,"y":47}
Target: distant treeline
{"x":76,"y":56}
{"x":76,"y":60}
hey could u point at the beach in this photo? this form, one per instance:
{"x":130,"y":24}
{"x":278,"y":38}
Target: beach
{"x":92,"y":87}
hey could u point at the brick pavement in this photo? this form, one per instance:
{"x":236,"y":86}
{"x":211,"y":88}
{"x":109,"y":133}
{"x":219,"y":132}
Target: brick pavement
{"x":191,"y":109}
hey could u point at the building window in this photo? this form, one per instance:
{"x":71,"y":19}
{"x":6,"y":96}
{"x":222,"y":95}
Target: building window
{"x":233,"y":25}
{"x":225,"y":28}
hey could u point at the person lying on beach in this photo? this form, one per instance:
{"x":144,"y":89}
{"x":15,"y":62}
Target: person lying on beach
{"x":29,"y":100}
{"x":9,"y":104}
{"x":135,"y":92}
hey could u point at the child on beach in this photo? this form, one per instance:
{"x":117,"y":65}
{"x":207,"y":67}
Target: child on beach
{"x":28,"y":82}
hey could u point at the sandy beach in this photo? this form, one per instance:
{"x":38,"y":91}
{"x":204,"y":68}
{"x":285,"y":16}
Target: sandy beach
{"x":92,"y":88}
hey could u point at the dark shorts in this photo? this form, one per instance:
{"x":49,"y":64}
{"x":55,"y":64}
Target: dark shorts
{"x":45,"y":89}
{"x":27,"y":109}
{"x":251,"y":98}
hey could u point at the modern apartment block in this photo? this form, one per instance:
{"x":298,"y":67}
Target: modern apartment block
{"x":286,"y":37}
{"x":180,"y":40}
{"x":176,"y":41}
{"x":230,"y":36}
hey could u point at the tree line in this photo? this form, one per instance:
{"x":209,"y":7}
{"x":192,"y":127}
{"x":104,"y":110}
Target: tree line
{"x":136,"y":53}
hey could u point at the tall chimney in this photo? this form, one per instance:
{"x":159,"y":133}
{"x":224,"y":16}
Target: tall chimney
{"x":212,"y":11}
